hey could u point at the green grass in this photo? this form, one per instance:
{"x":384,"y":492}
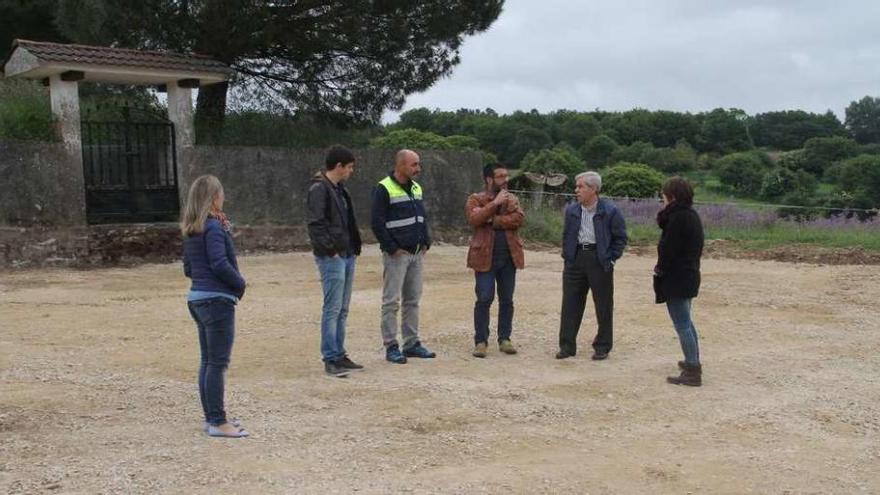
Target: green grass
{"x":787,"y":234}
{"x":545,"y":226}
{"x":761,"y":238}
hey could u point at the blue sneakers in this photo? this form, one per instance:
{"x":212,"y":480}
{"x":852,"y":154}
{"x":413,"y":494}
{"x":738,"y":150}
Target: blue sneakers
{"x":419,"y":351}
{"x":393,"y":354}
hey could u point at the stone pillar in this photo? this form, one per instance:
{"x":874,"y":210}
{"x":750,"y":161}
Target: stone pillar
{"x":64,"y":96}
{"x":180,"y":113}
{"x":65,"y":108}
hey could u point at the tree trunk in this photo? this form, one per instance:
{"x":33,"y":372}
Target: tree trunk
{"x":537,"y":196}
{"x":210,"y":110}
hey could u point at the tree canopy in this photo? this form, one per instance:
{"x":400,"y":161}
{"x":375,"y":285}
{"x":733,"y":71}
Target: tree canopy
{"x":34,"y":20}
{"x":863,"y":120}
{"x":348,"y":59}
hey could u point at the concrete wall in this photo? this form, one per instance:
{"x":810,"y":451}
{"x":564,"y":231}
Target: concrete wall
{"x":42,"y":201}
{"x":40,"y":184}
{"x":268,"y":185}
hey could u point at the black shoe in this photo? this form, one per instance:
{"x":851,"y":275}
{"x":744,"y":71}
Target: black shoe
{"x":563,"y":355}
{"x":419,"y":351}
{"x":600,"y":355}
{"x":393,"y":355}
{"x":691,"y":375}
{"x":348,"y":364}
{"x":333,"y":368}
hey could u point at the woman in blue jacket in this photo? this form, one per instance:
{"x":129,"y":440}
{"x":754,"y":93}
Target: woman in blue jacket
{"x":217,"y":286}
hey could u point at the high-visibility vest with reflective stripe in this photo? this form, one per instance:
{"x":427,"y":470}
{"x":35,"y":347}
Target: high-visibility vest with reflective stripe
{"x":406,"y":214}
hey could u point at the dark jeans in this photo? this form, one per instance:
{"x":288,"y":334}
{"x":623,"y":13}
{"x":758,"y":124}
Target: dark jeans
{"x":680,"y":312}
{"x":504,"y":273}
{"x":215,"y":318}
{"x":585,"y":273}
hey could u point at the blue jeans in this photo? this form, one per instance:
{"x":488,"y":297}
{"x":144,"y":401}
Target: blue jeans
{"x":680,"y":312}
{"x":504,"y":273}
{"x":337,"y":276}
{"x":215,"y":319}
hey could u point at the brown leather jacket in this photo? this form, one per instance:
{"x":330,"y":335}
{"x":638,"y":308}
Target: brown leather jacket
{"x":485,"y":220}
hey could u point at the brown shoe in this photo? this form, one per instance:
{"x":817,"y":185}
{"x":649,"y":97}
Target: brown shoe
{"x":480,"y":350}
{"x":692,"y":376}
{"x":506,"y":347}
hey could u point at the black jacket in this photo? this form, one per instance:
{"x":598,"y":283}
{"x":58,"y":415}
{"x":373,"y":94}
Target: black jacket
{"x":677,"y":274}
{"x":331,"y":232}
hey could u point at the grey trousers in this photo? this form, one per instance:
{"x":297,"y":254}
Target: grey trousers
{"x":401,"y":278}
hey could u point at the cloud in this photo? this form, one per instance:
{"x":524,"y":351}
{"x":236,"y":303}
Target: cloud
{"x":682,"y":55}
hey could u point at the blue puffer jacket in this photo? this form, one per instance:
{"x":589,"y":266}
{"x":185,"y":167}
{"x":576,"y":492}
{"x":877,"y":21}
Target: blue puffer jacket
{"x":209,"y":260}
{"x":610,"y":232}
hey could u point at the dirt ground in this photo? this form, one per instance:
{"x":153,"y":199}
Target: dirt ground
{"x":98,"y":393}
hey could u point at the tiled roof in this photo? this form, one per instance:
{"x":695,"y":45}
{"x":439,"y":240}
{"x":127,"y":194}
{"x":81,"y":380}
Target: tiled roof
{"x":99,"y":55}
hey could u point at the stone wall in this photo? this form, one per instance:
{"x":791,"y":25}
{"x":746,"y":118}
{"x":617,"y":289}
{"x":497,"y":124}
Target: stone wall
{"x":268,"y":185}
{"x":40,"y":185}
{"x":42,"y":203}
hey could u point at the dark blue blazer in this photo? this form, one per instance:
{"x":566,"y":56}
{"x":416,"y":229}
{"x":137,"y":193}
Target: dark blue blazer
{"x":610,"y":232}
{"x":209,"y":260}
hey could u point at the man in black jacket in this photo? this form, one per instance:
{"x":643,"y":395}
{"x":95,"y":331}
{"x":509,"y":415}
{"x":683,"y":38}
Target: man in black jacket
{"x":336,"y":243}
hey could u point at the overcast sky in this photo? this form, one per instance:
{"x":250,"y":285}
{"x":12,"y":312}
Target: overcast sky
{"x":684,"y":55}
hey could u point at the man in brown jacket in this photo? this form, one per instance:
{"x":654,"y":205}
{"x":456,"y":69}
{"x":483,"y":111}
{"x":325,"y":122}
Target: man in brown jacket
{"x":495,"y":253}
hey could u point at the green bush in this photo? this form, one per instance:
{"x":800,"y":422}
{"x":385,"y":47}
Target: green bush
{"x":460,"y":142}
{"x":412,"y":139}
{"x":821,"y":153}
{"x":781,"y":181}
{"x":844,"y":202}
{"x":870,"y":149}
{"x":681,"y":158}
{"x":25,"y":112}
{"x":632,"y":153}
{"x":743,"y":172}
{"x":833,"y":173}
{"x":598,"y":150}
{"x":633,"y":180}
{"x":559,"y":159}
{"x":860,"y":178}
{"x":792,"y":160}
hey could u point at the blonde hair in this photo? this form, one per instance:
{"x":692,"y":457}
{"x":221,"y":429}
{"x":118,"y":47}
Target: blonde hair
{"x":199,"y":203}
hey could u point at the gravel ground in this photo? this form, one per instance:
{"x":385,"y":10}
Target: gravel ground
{"x":98,"y":394}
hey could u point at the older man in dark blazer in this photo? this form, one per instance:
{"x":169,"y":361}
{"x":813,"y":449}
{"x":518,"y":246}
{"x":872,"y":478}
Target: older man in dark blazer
{"x":593,"y":239}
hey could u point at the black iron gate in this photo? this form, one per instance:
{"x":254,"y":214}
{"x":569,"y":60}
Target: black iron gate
{"x":130,"y":166}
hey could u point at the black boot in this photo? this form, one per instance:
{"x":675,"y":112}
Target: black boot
{"x":691,"y":375}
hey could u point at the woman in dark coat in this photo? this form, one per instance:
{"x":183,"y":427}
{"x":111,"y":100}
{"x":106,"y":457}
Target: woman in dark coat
{"x":677,"y":274}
